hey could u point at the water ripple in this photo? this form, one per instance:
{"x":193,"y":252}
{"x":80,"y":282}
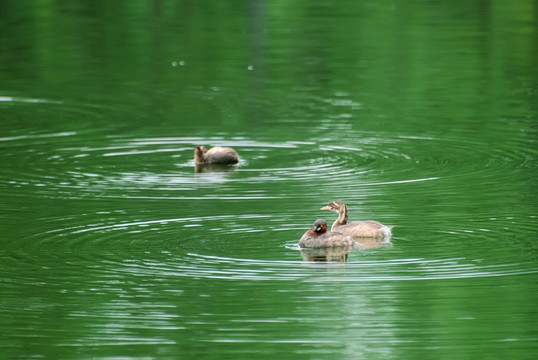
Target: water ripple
{"x":152,"y":249}
{"x":159,"y":168}
{"x":361,"y":167}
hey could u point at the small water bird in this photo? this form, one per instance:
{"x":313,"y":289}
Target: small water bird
{"x":318,"y":237}
{"x":368,"y":228}
{"x":215,"y":155}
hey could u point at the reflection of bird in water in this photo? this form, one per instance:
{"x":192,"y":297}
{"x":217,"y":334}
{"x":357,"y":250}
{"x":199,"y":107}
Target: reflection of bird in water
{"x":214,"y":168}
{"x":215,"y":155}
{"x":336,"y":254}
{"x":369,"y":228}
{"x":318,"y":237}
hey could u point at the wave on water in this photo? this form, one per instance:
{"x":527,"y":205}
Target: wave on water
{"x":56,"y":166}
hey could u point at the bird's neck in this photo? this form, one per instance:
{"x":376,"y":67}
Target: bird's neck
{"x":342,"y":217}
{"x":313,"y":233}
{"x":198,"y":156}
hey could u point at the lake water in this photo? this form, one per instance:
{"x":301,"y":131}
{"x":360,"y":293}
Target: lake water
{"x":422,"y":115}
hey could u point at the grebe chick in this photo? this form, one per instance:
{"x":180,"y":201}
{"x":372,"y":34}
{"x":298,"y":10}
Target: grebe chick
{"x":369,"y":228}
{"x":215,"y":155}
{"x":318,"y":237}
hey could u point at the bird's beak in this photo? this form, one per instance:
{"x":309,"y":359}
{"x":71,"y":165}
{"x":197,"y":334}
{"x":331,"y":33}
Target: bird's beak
{"x":326,"y":208}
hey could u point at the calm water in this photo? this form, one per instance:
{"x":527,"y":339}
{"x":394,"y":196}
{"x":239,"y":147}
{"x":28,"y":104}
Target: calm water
{"x":422,"y":115}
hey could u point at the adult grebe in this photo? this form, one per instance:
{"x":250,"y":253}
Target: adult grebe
{"x":318,"y":237}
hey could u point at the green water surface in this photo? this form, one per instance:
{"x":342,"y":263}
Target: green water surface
{"x":418,"y":114}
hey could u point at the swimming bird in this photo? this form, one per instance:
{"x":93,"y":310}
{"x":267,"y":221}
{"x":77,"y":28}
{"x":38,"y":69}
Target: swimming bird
{"x":369,"y":228}
{"x":318,"y":237}
{"x":215,"y":155}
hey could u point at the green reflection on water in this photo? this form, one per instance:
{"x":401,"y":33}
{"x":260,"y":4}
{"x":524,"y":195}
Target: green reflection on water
{"x":419,"y":115}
